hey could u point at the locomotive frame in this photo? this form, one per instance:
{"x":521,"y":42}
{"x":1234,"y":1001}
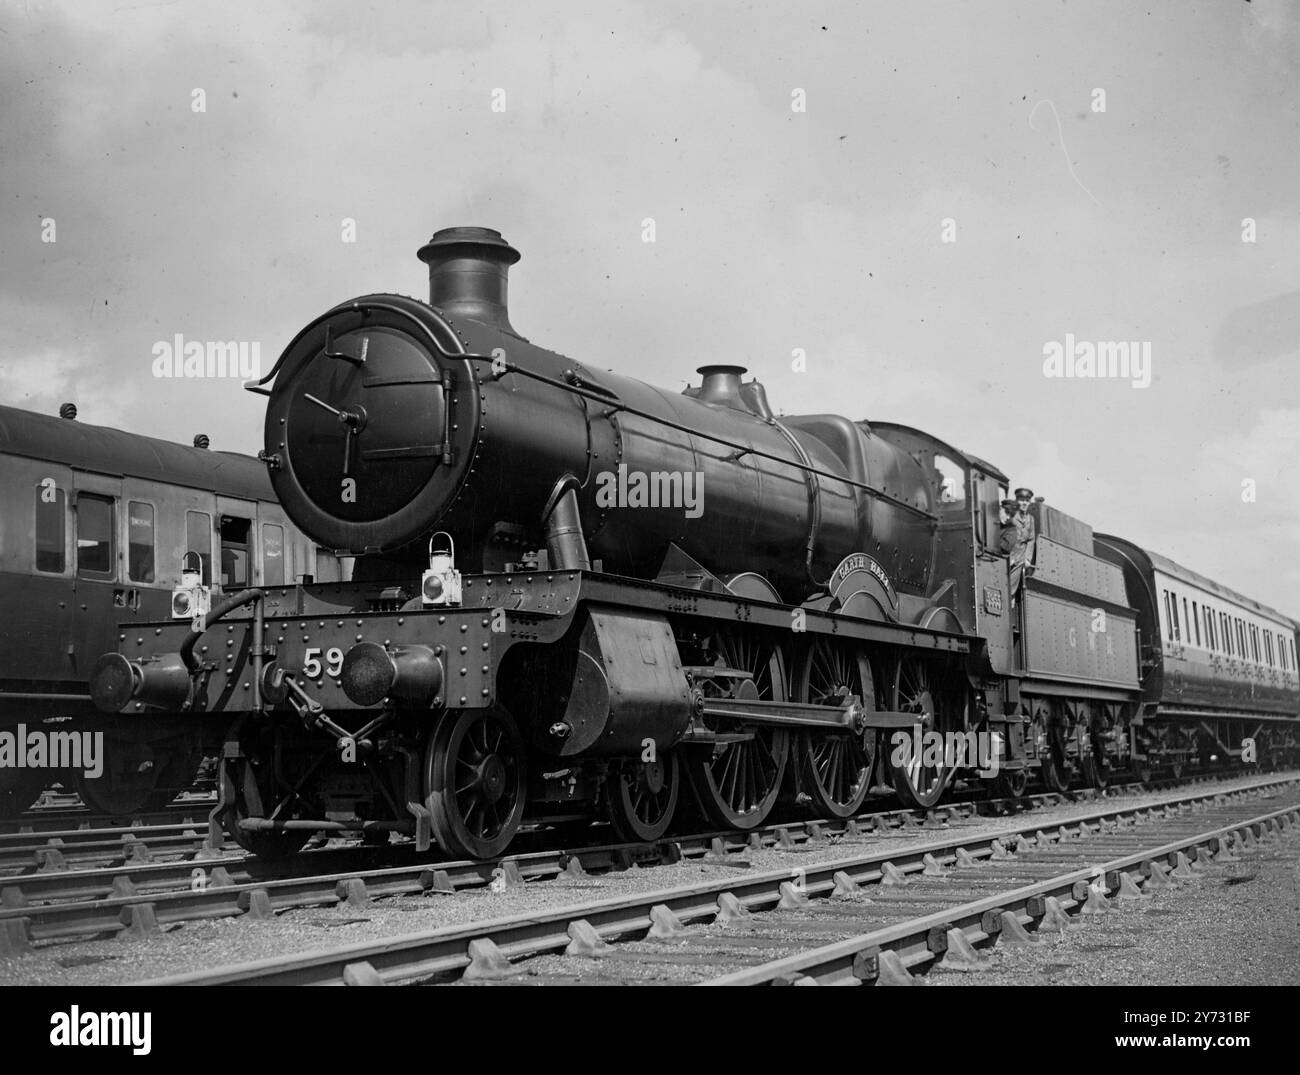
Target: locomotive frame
{"x":594,"y":661}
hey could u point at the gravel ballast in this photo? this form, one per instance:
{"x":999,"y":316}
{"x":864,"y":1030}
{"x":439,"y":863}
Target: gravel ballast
{"x":200,"y":945}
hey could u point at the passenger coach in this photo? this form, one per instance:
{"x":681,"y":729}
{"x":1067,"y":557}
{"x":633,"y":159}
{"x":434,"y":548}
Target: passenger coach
{"x":95,"y":526}
{"x":1216,"y":667}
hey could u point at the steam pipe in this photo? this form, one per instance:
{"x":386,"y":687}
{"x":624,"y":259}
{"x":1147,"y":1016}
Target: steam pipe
{"x":565,"y":544}
{"x":257,"y":599}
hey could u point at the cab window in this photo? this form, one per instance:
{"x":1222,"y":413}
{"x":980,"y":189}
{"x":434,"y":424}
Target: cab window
{"x":950,"y":481}
{"x":95,"y":546}
{"x":51,"y":529}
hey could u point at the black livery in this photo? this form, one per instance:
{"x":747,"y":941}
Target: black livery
{"x":581,"y":597}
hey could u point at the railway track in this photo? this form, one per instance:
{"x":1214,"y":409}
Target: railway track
{"x":64,"y":817}
{"x":911,"y":934}
{"x":136,"y":895}
{"x":124,"y":848}
{"x":72,"y":839}
{"x":62,"y":849}
{"x":806,"y":922}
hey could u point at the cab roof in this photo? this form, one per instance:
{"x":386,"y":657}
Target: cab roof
{"x":956,"y":453}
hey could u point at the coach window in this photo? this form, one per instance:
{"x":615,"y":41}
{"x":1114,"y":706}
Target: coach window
{"x":95,"y":551}
{"x":234,"y":552}
{"x":51,"y":529}
{"x":1225,"y":633}
{"x":1196,"y":622}
{"x":272,"y":555}
{"x":1178,"y":634}
{"x":950,"y":477}
{"x":198,"y":539}
{"x":139,"y":538}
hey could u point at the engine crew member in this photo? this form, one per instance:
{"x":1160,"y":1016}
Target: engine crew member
{"x":1025,"y":521}
{"x":1008,"y":532}
{"x":1009,"y":544}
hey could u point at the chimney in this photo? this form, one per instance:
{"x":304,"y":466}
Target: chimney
{"x":467,"y":274}
{"x":721,"y":386}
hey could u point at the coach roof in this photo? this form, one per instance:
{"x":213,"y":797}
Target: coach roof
{"x":102,"y":450}
{"x":1174,"y":570}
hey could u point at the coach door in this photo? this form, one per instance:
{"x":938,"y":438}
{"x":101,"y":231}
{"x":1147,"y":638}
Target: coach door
{"x":99,"y":589}
{"x":236,"y":544}
{"x":148,"y":537}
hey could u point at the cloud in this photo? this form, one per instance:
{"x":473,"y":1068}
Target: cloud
{"x":1260,"y":331}
{"x":775,"y":229}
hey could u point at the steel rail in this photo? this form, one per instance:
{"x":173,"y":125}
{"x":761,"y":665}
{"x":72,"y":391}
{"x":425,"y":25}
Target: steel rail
{"x":921,"y":941}
{"x":447,"y":950}
{"x":56,"y":904}
{"x":44,"y":871}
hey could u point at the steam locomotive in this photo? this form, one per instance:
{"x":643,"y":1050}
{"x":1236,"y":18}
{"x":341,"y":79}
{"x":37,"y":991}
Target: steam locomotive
{"x":579,"y":597}
{"x":94,"y":523}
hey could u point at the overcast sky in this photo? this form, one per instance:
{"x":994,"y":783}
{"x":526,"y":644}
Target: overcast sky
{"x":775,"y":229}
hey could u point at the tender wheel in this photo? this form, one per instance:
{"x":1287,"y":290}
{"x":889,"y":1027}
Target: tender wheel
{"x":253,"y":788}
{"x":918,"y":782}
{"x":641,"y":798}
{"x":139,"y":777}
{"x":1093,"y":766}
{"x":835,"y":768}
{"x":737,"y":784}
{"x":1051,"y":754}
{"x":474,"y":779}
